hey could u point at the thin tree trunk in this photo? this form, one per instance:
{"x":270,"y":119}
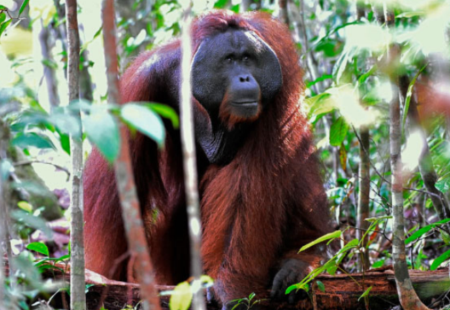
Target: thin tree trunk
{"x":77,"y":279}
{"x":364,"y":181}
{"x":189,"y":162}
{"x":3,"y":220}
{"x":363,"y":196}
{"x":49,"y":72}
{"x":124,"y":173}
{"x":406,"y":293}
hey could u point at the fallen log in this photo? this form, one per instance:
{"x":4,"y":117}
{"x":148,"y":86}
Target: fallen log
{"x":341,"y":291}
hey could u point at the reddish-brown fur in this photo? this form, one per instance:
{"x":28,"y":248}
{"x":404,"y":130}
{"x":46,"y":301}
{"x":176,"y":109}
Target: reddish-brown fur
{"x":256,"y":211}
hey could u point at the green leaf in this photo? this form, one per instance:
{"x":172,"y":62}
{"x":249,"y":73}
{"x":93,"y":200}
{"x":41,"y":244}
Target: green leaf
{"x":320,"y":286}
{"x":352,"y":244}
{"x":319,"y":79}
{"x":235,"y":8}
{"x":379,"y":263}
{"x":332,"y":235}
{"x":319,"y":105}
{"x":379,"y":218}
{"x":32,"y":139}
{"x":220,"y":4}
{"x":23,"y":6}
{"x":291,"y":288}
{"x":39,"y":247}
{"x":338,"y":131}
{"x":411,"y":14}
{"x":103,"y":131}
{"x":362,"y":79}
{"x":419,"y":233}
{"x":2,"y":17}
{"x":2,"y":7}
{"x":181,"y":297}
{"x":299,"y":286}
{"x":166,"y":112}
{"x":438,"y":261}
{"x":4,"y":26}
{"x":332,"y":270}
{"x":25,"y":206}
{"x":145,"y":120}
{"x":366,"y":293}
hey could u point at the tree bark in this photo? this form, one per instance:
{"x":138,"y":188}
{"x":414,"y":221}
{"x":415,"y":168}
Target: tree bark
{"x":190,"y":162}
{"x":124,"y":173}
{"x":341,"y":291}
{"x":406,"y":293}
{"x":363,"y":197}
{"x":77,"y":287}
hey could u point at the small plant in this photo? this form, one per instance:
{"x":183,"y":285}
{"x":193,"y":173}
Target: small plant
{"x":247,"y":301}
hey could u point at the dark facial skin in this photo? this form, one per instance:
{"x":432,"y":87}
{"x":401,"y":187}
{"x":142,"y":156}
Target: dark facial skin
{"x":235,"y":75}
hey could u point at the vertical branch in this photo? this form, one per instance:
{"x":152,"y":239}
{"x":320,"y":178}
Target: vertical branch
{"x":407,"y":294}
{"x":124,"y":173}
{"x":189,"y":162}
{"x":77,"y":278}
{"x":364,"y":182}
{"x":363,"y":195}
{"x":49,"y":72}
{"x":3,"y":220}
{"x":283,"y":13}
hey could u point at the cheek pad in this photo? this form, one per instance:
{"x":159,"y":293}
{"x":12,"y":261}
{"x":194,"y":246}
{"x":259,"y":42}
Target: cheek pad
{"x":209,"y":77}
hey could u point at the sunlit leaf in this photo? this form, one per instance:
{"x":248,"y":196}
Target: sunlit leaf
{"x":206,"y":280}
{"x":372,"y":37}
{"x":332,"y":235}
{"x":338,"y":131}
{"x":166,"y":112}
{"x":181,"y":297}
{"x":145,"y":120}
{"x":410,"y":14}
{"x":4,"y":26}
{"x":26,"y":206}
{"x":318,"y":106}
{"x":350,"y":245}
{"x":2,"y":17}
